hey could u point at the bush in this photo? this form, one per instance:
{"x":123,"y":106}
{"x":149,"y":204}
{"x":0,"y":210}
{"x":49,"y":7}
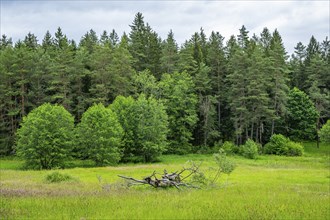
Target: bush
{"x":325,"y":132}
{"x":280,"y":145}
{"x":56,"y":177}
{"x":250,"y":149}
{"x":230,"y":148}
{"x":99,"y":135}
{"x":45,"y":137}
{"x":294,"y":149}
{"x":276,"y":145}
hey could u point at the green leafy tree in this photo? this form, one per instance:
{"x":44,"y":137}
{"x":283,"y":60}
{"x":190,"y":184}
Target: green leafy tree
{"x":302,"y":115}
{"x":151,"y":128}
{"x":178,"y":94}
{"x":45,"y":138}
{"x":144,"y":82}
{"x":145,"y":125}
{"x":123,"y":107}
{"x":99,"y":135}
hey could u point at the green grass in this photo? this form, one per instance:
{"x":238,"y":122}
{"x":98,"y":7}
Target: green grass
{"x":270,"y":187}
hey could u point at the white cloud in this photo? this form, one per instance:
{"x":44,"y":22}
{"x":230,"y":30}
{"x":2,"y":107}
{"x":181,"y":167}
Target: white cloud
{"x":295,"y":20}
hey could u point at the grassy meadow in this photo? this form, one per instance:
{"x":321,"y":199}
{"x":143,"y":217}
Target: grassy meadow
{"x":270,"y":187}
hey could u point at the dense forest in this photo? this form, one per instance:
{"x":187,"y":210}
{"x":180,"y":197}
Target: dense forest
{"x":208,"y":90}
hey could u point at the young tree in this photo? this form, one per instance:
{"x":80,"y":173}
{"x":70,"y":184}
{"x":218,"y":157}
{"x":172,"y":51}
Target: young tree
{"x":302,"y":115}
{"x":99,"y":135}
{"x":45,"y":137}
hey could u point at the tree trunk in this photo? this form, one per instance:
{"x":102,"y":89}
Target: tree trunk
{"x":252,"y":127}
{"x":317,"y":133}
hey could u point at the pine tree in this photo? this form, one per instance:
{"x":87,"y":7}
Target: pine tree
{"x":217,"y":62}
{"x":278,"y":72}
{"x":169,"y":56}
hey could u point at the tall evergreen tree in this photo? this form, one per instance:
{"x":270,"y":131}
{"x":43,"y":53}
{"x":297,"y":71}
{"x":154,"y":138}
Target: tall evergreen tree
{"x":169,"y":56}
{"x":279,"y":78}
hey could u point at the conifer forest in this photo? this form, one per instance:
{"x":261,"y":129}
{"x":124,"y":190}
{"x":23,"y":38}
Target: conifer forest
{"x":158,"y":97}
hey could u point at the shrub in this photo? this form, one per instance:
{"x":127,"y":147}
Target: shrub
{"x":99,"y":135}
{"x":325,"y":132}
{"x":230,"y":148}
{"x":281,"y":145}
{"x":45,"y":137}
{"x":250,"y":149}
{"x":276,"y":145}
{"x":294,"y":149}
{"x":56,"y":177}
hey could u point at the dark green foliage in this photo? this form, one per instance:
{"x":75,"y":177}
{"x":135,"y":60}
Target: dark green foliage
{"x":281,"y":145}
{"x":250,"y":149}
{"x":45,"y":138}
{"x":211,"y":92}
{"x":56,"y":177}
{"x":99,"y":135}
{"x":302,"y":116}
{"x":325,"y":132}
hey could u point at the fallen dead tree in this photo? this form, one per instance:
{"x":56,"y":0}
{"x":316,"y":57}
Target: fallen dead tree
{"x":165,"y":180}
{"x":191,"y":177}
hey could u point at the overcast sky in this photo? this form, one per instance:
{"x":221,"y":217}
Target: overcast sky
{"x":295,"y":20}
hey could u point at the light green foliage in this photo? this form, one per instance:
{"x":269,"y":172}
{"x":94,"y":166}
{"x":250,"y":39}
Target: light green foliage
{"x":45,"y":137}
{"x":145,"y":126}
{"x":325,"y":132}
{"x":294,"y":149}
{"x":144,"y":82}
{"x":302,"y":115}
{"x":151,"y":128}
{"x":230,"y":148}
{"x":99,"y":135}
{"x":225,"y":164}
{"x":56,"y":177}
{"x":281,"y":145}
{"x":178,"y":95}
{"x":250,"y":149}
{"x":123,"y":107}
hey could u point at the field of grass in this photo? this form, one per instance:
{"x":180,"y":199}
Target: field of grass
{"x":270,"y":187}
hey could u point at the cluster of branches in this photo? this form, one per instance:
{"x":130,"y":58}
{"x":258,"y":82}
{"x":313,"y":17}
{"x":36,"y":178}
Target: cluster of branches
{"x":165,"y":180}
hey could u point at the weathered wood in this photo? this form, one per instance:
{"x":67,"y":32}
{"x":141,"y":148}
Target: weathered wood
{"x":166,"y":180}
